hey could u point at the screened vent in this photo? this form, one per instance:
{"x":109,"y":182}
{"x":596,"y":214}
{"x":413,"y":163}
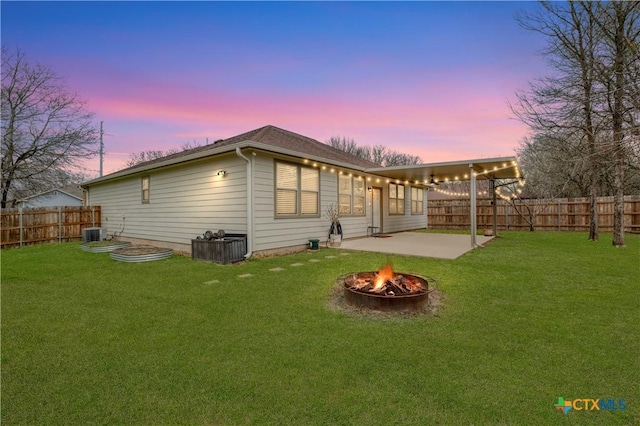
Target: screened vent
{"x":93,"y":234}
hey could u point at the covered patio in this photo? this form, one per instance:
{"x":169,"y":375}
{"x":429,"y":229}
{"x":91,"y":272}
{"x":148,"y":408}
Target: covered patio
{"x":433,"y":174}
{"x":439,"y":246}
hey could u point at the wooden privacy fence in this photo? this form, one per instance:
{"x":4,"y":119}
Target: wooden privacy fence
{"x":22,"y":227}
{"x":564,"y":214}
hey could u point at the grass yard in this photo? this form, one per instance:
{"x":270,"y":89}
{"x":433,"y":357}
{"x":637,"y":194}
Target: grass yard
{"x":530,"y":318}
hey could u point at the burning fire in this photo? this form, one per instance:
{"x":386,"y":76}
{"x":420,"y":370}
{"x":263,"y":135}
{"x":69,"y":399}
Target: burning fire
{"x":386,"y":282}
{"x":384,"y":274}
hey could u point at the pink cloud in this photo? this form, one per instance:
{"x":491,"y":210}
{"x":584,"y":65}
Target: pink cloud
{"x":443,"y":117}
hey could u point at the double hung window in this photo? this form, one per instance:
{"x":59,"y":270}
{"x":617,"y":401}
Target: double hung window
{"x":297,"y":190}
{"x":417,"y":200}
{"x":351,"y":195}
{"x":396,"y":198}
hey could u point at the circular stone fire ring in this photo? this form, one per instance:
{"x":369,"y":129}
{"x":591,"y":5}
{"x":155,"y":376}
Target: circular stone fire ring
{"x":413,"y":301}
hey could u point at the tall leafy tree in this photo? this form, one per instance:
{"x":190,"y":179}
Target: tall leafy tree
{"x":46,"y":131}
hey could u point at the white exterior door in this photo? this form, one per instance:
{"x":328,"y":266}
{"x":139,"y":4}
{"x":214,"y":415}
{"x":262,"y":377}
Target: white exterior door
{"x":376,"y":208}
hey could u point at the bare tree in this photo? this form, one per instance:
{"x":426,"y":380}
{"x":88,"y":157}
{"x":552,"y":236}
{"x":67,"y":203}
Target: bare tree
{"x":377,"y":154}
{"x":563,"y":104}
{"x":617,"y":70}
{"x":395,"y":158}
{"x":593,"y":95}
{"x":349,"y":145}
{"x":46,"y":132}
{"x":136,"y":158}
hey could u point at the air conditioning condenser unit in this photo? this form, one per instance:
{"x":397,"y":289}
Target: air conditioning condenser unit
{"x":93,"y":234}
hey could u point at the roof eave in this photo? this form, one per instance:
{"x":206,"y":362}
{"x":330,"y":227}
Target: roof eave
{"x":283,"y":151}
{"x":217,"y":151}
{"x":452,"y":167}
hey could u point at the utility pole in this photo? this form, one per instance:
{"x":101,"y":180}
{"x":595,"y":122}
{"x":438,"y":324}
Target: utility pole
{"x":101,"y":148}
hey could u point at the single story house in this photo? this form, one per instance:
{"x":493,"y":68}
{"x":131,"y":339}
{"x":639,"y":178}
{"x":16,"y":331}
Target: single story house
{"x":57,"y":197}
{"x":271,"y":184}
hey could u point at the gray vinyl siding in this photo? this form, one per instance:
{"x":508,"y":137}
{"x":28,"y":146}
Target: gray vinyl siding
{"x":189,"y":199}
{"x":271,"y":233}
{"x":407,"y":221}
{"x":184,"y":201}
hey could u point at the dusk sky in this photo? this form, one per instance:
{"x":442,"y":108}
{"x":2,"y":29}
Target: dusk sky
{"x":431,"y":79}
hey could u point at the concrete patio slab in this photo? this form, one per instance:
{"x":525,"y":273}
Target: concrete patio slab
{"x":440,"y":246}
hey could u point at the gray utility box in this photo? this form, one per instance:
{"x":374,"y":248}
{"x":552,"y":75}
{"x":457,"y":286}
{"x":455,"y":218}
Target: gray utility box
{"x":231,"y":248}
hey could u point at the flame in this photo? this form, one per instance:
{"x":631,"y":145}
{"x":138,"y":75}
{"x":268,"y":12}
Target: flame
{"x":384,"y":274}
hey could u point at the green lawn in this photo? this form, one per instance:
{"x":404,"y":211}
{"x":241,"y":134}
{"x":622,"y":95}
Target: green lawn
{"x":530,"y":318}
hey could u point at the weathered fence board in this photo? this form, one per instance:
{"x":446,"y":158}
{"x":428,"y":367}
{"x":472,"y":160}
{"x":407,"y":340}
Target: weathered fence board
{"x":565,"y":214}
{"x":20,"y":227}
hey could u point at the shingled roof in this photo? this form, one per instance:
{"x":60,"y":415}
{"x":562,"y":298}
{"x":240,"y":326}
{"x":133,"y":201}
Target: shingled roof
{"x":272,"y":136}
{"x":305,"y":146}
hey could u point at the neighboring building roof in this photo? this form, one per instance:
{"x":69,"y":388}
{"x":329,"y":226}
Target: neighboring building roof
{"x":73,"y":191}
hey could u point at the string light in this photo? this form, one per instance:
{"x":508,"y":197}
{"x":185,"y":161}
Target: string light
{"x":446,"y":179}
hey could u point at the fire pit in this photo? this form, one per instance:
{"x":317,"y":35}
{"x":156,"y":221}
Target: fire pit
{"x":386,"y":290}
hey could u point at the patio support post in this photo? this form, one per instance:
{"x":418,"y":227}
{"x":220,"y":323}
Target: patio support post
{"x":472,"y":175}
{"x":426,"y":207}
{"x":494,"y":203}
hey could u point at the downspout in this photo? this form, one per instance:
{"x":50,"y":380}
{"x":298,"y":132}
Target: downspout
{"x":249,"y":203}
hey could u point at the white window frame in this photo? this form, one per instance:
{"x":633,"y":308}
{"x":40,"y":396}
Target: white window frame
{"x":399,"y":209}
{"x":348,"y":208}
{"x":417,"y":199}
{"x":300,"y":192}
{"x":145,"y":190}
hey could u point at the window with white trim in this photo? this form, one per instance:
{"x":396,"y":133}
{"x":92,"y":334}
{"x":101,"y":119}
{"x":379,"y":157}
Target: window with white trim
{"x":297,"y":190}
{"x":417,"y":200}
{"x":351,"y":195}
{"x":358,"y":197}
{"x":146,"y":186}
{"x":396,"y":198}
{"x":344,"y":194}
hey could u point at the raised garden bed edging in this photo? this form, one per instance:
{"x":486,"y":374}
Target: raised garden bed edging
{"x":141,"y":254}
{"x":104,"y":248}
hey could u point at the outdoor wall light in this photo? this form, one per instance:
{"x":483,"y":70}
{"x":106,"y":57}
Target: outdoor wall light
{"x":222,"y":173}
{"x":369,"y":189}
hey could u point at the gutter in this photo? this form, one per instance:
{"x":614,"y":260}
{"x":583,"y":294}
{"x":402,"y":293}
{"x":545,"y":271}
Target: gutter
{"x":249,"y":202}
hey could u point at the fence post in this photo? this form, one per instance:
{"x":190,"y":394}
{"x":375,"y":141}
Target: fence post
{"x":507,"y":207}
{"x":559,"y":213}
{"x":20,"y":223}
{"x":59,"y":224}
